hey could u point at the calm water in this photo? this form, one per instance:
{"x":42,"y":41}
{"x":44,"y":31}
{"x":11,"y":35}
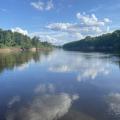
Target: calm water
{"x":59,"y":85}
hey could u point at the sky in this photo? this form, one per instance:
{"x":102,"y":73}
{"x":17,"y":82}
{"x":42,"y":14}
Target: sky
{"x":60,"y":21}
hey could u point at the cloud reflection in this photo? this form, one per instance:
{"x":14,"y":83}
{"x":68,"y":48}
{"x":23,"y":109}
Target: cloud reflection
{"x":43,"y":88}
{"x":22,"y":67}
{"x":45,"y":106}
{"x":14,"y":100}
{"x":87,"y":66}
{"x":93,"y":71}
{"x":114,"y":103}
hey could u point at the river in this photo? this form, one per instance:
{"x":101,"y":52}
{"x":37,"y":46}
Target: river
{"x":59,"y":85}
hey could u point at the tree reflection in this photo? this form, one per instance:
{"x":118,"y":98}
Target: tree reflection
{"x":9,"y":61}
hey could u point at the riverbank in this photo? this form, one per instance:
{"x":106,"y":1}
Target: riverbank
{"x":9,"y":50}
{"x":14,"y":50}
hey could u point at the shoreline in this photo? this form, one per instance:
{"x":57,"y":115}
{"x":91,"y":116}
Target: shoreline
{"x":9,"y":50}
{"x":15,"y":50}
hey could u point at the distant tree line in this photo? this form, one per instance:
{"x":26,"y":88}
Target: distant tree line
{"x":15,"y":39}
{"x":105,"y":42}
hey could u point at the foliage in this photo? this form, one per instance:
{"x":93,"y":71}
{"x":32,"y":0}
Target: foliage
{"x":15,"y":39}
{"x":105,"y":42}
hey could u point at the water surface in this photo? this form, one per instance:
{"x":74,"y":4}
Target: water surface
{"x":59,"y":85}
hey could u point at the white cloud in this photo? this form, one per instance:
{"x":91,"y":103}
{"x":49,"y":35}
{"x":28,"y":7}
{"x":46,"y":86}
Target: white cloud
{"x":107,"y":20}
{"x":49,"y":5}
{"x":20,"y":30}
{"x":68,"y":27}
{"x":40,"y":5}
{"x":87,"y":25}
{"x":89,"y":20}
{"x":60,"y":26}
{"x":46,"y":36}
{"x":57,"y":38}
{"x":108,"y":29}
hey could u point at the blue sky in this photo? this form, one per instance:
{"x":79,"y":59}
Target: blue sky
{"x":60,"y":21}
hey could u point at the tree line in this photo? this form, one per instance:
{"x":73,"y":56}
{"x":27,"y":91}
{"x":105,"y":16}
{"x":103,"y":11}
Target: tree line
{"x":105,"y":42}
{"x":15,"y":39}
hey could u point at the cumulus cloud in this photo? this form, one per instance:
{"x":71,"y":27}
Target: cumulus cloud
{"x":40,"y":5}
{"x":107,"y":20}
{"x":51,"y":37}
{"x":86,"y":25}
{"x":77,"y":35}
{"x":60,"y":26}
{"x":57,"y":38}
{"x":20,"y":30}
{"x":66,"y":27}
{"x":89,"y":20}
{"x":62,"y":32}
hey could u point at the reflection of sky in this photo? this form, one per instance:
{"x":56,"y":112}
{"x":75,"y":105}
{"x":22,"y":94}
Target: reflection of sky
{"x":24,"y":66}
{"x":13,"y":101}
{"x":49,"y":89}
{"x":44,"y":106}
{"x":113,"y":100}
{"x":87,"y":66}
